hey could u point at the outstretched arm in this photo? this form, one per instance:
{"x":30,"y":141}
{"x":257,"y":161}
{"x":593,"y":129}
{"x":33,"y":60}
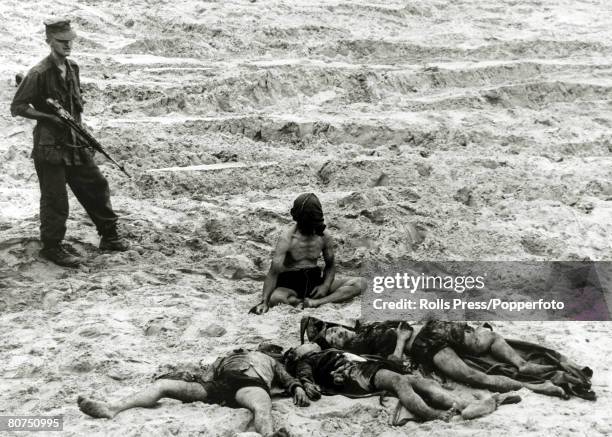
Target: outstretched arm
{"x":306,"y":377}
{"x":291,"y":385}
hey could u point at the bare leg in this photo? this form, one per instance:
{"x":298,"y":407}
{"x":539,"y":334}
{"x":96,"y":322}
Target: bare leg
{"x":341,"y":290}
{"x":258,"y":401}
{"x":451,"y":365}
{"x":401,"y":386}
{"x":147,"y":398}
{"x":284,"y":295}
{"x":436,"y":395}
{"x":503,"y":351}
{"x":454,"y":367}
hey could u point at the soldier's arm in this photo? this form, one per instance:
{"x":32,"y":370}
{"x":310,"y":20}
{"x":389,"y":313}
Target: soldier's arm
{"x":25,"y":95}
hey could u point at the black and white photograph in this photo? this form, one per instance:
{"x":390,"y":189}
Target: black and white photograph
{"x":306,"y":218}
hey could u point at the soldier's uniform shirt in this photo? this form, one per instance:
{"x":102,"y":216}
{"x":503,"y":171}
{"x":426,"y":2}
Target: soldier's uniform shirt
{"x":52,"y":143}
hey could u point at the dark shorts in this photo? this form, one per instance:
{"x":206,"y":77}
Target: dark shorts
{"x":360,"y":377}
{"x":222,"y":390}
{"x":435,"y":336}
{"x":301,"y":281}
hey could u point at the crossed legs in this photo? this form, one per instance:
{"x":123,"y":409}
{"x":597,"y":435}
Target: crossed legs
{"x":342,"y":289}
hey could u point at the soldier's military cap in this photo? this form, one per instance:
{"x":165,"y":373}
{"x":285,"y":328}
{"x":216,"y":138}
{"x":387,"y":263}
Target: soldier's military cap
{"x":59,"y":28}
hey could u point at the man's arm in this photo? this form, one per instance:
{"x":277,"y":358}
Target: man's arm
{"x":290,"y":384}
{"x":329,"y":272}
{"x":277,"y":266}
{"x":404,"y":332}
{"x":304,"y":373}
{"x":25,"y":95}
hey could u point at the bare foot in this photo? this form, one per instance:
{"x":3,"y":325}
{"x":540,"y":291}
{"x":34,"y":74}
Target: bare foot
{"x":507,"y":398}
{"x":449,"y":414}
{"x":485,"y":406}
{"x":294,"y":301}
{"x":535,"y":369}
{"x":480,"y":408}
{"x":311,"y":303}
{"x":548,"y":388}
{"x":282,"y":432}
{"x":95,"y":409}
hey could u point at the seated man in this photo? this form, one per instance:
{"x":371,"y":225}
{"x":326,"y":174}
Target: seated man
{"x":342,"y":372}
{"x":445,"y":346}
{"x":294,"y":275}
{"x":240,"y":379}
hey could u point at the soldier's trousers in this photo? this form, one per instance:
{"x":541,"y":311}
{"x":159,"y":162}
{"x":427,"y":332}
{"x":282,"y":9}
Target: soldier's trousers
{"x":90,"y":188}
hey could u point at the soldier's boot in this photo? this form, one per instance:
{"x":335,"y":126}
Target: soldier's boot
{"x":112,"y":241}
{"x":58,"y":255}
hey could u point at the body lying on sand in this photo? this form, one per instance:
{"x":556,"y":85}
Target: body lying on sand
{"x":437,"y":346}
{"x":244,"y":378}
{"x":240,"y":379}
{"x":342,"y":372}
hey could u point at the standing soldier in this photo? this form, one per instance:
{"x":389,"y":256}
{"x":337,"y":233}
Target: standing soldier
{"x":60,"y":156}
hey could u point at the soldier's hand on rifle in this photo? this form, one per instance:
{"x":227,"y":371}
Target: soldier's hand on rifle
{"x":55,"y":119}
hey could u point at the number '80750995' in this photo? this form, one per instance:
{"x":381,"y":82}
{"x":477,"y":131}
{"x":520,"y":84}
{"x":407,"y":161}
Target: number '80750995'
{"x":31,"y":423}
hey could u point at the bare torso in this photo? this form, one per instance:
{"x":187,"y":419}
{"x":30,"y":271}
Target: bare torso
{"x":304,"y":251}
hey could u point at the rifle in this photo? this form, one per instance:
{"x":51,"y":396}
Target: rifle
{"x":80,"y":130}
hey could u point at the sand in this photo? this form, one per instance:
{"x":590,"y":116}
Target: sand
{"x":443,"y":130}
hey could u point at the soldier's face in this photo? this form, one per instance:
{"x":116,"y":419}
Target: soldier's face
{"x":61,"y":47}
